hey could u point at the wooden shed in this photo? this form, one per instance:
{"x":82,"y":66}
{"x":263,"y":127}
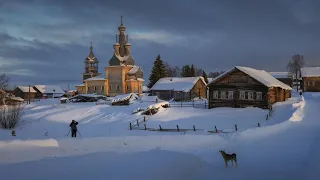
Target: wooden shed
{"x":23,"y":92}
{"x":179,"y":88}
{"x":244,"y":86}
{"x":310,"y":79}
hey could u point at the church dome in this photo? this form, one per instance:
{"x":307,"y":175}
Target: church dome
{"x":127,"y":44}
{"x":116,"y":44}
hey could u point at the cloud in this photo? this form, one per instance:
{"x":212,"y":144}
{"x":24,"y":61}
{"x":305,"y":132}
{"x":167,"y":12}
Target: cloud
{"x":49,"y":39}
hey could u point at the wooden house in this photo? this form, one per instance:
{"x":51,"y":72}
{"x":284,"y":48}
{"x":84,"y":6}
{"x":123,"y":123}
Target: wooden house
{"x":244,"y":86}
{"x":179,"y":88}
{"x":48,"y":91}
{"x":23,"y":92}
{"x":284,"y":77}
{"x":310,"y":79}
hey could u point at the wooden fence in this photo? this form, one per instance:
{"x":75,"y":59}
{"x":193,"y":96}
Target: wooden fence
{"x":141,"y":124}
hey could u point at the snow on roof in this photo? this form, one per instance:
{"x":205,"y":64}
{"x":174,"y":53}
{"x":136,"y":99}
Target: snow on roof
{"x":140,"y":79}
{"x":134,"y":70}
{"x":96,"y":78}
{"x":184,"y":84}
{"x":310,"y":72}
{"x":26,"y":89}
{"x":280,"y":74}
{"x":145,"y":89}
{"x":259,"y":75}
{"x":50,"y":89}
{"x":80,"y":85}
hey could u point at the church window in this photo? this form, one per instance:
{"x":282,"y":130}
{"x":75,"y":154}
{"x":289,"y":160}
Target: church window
{"x":118,"y":87}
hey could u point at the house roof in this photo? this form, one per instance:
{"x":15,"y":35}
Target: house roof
{"x":80,"y":85}
{"x":49,"y":89}
{"x":310,"y":72}
{"x":96,"y":78}
{"x":280,"y":74}
{"x":26,"y":89}
{"x":259,"y":75}
{"x":184,"y":84}
{"x":145,"y":89}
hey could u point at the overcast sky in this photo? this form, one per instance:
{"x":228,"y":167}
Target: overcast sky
{"x":46,"y":41}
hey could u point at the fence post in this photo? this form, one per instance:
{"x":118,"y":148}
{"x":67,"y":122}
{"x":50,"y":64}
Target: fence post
{"x":160,"y":128}
{"x":137,"y":122}
{"x":145,"y":127}
{"x":178,"y":128}
{"x":267,"y":117}
{"x":236,"y":127}
{"x":144,"y":118}
{"x":130,"y":126}
{"x":215,"y":127}
{"x":194,"y":128}
{"x":258,"y":124}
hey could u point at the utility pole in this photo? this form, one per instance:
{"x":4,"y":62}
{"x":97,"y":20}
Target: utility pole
{"x":29,"y":95}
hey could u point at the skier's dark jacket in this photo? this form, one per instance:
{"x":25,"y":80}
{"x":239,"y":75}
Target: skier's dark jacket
{"x":73,"y":125}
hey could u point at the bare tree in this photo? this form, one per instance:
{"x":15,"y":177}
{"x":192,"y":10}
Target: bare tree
{"x":295,"y":65}
{"x":172,"y":71}
{"x":10,"y":116}
{"x":4,"y":83}
{"x":199,"y":72}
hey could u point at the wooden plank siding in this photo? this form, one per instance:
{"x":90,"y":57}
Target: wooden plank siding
{"x":253,"y":92}
{"x":199,"y":87}
{"x":24,"y":95}
{"x":311,"y":84}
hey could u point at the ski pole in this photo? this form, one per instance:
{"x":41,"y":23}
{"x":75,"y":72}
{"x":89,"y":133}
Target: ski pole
{"x":68,"y":132}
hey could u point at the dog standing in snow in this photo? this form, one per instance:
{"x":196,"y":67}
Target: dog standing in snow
{"x":229,"y":157}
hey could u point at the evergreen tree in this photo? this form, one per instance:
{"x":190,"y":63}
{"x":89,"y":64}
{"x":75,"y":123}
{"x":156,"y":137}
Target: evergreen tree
{"x":192,"y":71}
{"x":205,"y":77}
{"x":185,"y":71}
{"x":158,"y":71}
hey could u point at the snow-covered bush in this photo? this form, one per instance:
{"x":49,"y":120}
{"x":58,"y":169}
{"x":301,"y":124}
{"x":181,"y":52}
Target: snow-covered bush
{"x":10,"y":116}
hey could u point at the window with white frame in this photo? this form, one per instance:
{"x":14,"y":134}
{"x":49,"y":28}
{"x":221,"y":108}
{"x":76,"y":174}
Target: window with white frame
{"x":223,"y":95}
{"x":250,"y":95}
{"x":94,"y":88}
{"x":102,"y":88}
{"x":215,"y":94}
{"x":219,"y":94}
{"x":311,"y":83}
{"x":110,"y":87}
{"x":259,"y":96}
{"x":230,"y":94}
{"x":118,"y":87}
{"x":242,"y":95}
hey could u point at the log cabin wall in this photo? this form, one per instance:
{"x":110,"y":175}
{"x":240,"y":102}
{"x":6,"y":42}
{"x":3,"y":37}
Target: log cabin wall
{"x":237,"y":89}
{"x":311,"y":84}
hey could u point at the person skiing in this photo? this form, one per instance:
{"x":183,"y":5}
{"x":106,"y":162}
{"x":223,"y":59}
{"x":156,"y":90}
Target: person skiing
{"x":73,"y":126}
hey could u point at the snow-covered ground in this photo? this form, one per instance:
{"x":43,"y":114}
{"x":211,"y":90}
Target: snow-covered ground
{"x":284,"y":147}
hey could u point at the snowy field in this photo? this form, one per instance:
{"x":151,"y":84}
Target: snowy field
{"x":107,"y":149}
